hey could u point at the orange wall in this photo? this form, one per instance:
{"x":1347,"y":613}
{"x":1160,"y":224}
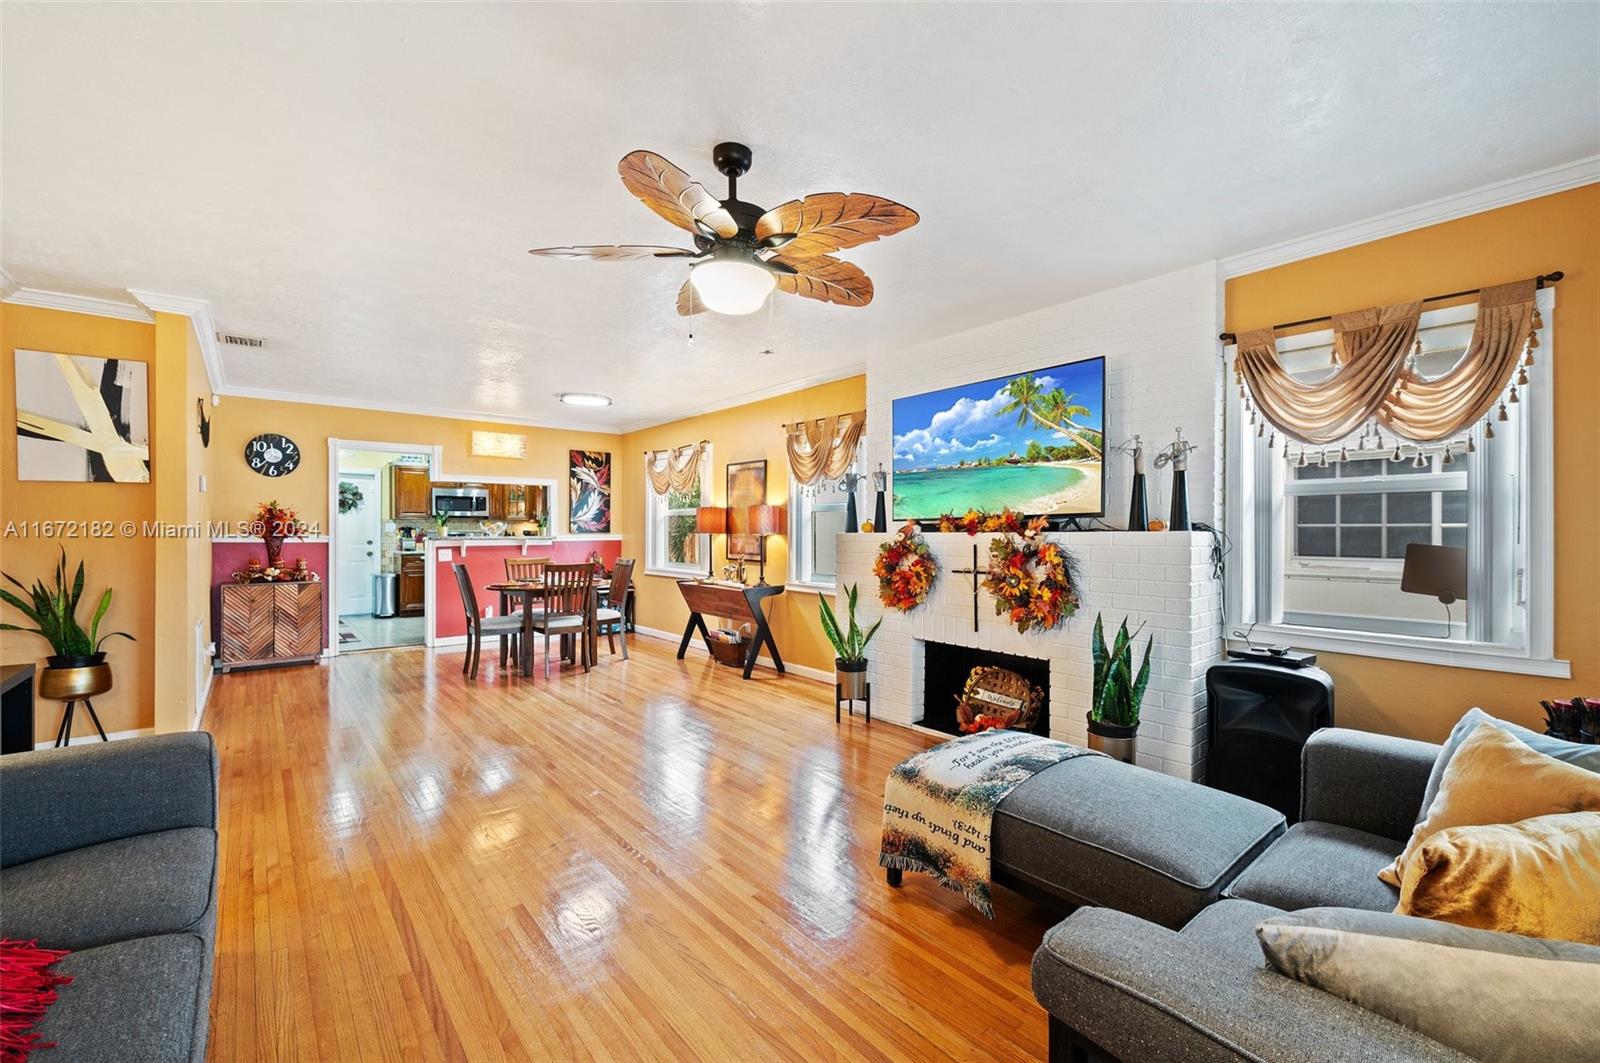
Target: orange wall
{"x":125,"y":563}
{"x":742,"y":433}
{"x":237,"y":489}
{"x":1555,"y":232}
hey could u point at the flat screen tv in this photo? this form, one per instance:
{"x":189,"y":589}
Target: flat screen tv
{"x":1031,"y":441}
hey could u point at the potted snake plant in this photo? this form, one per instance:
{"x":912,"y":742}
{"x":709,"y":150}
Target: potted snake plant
{"x":1118,"y":692}
{"x":849,"y":647}
{"x":77,"y":668}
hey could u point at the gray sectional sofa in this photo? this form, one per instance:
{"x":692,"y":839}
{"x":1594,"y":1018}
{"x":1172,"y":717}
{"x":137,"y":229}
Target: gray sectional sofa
{"x":1147,"y":987}
{"x":111,"y":851}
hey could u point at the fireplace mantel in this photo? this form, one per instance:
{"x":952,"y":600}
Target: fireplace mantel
{"x":1160,"y":579}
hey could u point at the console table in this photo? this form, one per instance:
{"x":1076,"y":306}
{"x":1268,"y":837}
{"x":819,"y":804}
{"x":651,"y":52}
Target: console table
{"x":736,"y":602}
{"x":16,"y":708}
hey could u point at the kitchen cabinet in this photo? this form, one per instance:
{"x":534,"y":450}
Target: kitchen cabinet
{"x":412,"y":585}
{"x":410,"y":492}
{"x":497,"y":502}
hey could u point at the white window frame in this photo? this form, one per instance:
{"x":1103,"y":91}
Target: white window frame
{"x":801,"y":506}
{"x":655,"y":527}
{"x":1258,"y":531}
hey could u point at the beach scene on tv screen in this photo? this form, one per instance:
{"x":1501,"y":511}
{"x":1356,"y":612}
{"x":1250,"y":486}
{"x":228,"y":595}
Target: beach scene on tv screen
{"x":1032,"y":441}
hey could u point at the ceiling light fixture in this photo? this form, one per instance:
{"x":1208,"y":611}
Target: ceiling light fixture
{"x":584,"y":398}
{"x":732,"y":283}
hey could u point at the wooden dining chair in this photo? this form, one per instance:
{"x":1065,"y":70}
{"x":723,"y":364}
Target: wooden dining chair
{"x":611,"y":616}
{"x":568,"y":608}
{"x":524,"y":569}
{"x":478,"y":625}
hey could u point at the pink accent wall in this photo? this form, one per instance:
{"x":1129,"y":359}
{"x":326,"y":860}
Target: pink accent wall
{"x":229,"y":556}
{"x":487,"y":564}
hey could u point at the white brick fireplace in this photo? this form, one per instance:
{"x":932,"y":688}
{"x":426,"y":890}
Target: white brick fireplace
{"x":1159,"y":339}
{"x":1160,"y":579}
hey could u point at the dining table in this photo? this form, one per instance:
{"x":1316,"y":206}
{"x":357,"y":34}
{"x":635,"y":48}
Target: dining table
{"x":529,"y":591}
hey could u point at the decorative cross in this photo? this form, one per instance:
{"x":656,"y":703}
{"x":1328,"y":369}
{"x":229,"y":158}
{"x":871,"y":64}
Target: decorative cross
{"x":973,"y":572}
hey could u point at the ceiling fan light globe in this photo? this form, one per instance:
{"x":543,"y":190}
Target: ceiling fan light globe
{"x":730,"y":286}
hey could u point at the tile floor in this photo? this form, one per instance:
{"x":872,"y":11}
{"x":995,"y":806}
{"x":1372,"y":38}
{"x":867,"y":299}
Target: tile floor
{"x":358,"y":632}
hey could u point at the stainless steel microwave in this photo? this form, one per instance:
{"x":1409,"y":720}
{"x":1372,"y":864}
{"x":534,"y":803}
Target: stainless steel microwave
{"x":464,"y":501}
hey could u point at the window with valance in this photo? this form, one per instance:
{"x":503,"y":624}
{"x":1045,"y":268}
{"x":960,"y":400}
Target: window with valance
{"x":1397,"y":428}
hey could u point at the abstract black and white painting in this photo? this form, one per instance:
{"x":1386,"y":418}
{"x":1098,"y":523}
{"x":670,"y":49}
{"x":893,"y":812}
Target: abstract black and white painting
{"x":82,"y":419}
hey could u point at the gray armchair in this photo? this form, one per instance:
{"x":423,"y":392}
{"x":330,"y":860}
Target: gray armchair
{"x":1120,"y":987}
{"x":110,"y":850}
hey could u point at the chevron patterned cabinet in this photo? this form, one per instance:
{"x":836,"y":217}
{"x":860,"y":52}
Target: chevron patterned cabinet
{"x":270,"y":623}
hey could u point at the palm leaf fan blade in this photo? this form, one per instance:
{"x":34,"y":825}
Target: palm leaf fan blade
{"x":674,"y":195}
{"x":832,"y":221}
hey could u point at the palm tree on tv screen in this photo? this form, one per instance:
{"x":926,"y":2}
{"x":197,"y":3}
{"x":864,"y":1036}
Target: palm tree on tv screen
{"x":1054,"y":409}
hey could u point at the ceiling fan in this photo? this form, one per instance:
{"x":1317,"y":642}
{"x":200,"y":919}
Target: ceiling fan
{"x":742,"y":251}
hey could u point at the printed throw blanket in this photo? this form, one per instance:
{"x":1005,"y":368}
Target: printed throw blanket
{"x":939,"y":804}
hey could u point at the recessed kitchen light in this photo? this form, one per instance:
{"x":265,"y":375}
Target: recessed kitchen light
{"x":584,"y":398}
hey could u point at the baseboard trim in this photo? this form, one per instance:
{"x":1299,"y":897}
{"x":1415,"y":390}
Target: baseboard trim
{"x":81,"y":740}
{"x":696,"y":646}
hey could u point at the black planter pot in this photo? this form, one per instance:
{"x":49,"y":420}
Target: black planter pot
{"x":1113,"y":739}
{"x":80,"y":660}
{"x":852,"y":678}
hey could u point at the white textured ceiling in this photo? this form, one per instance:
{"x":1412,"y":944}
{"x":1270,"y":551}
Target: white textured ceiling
{"x":360,"y":184}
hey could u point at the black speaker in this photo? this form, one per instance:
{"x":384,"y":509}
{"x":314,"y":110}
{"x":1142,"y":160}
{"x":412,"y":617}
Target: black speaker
{"x":1260,"y":717}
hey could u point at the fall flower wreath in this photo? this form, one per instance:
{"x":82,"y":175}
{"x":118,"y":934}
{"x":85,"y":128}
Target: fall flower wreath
{"x":905,"y":569}
{"x":1032,"y":579}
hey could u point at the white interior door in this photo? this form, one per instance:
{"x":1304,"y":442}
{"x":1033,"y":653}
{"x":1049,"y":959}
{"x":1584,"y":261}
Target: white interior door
{"x":357,"y":534}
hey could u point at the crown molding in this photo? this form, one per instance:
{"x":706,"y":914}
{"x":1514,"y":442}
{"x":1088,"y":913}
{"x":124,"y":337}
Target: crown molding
{"x":746,"y":398}
{"x":1474,"y":201}
{"x":7,"y":285}
{"x":480,"y":416}
{"x":75,"y":304}
{"x":198,"y":311}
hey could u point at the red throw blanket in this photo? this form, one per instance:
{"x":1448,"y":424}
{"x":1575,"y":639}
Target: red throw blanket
{"x":26,"y":990}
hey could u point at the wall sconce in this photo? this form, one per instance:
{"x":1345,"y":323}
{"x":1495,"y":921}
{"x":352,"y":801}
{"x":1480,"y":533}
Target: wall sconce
{"x":205,"y":422}
{"x":765,"y":520}
{"x":499,"y":445}
{"x":710,"y":520}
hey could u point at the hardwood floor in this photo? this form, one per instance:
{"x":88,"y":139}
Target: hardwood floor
{"x":654,"y":861}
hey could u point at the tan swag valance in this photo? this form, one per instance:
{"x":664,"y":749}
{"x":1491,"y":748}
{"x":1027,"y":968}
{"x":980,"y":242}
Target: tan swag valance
{"x":824,"y":448}
{"x":675,"y":469}
{"x":1375,"y":382}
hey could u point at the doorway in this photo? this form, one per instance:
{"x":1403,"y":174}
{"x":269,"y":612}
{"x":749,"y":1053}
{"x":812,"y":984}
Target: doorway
{"x":367,"y":546}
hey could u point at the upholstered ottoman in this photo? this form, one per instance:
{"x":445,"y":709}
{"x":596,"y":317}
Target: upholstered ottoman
{"x":1097,"y":831}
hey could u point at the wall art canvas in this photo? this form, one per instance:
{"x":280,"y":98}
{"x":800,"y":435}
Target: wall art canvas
{"x":747,"y":486}
{"x":82,"y":419}
{"x":589,"y":495}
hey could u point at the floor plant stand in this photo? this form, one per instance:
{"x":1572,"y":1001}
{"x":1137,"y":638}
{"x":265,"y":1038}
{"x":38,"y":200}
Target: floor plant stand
{"x":839,"y":701}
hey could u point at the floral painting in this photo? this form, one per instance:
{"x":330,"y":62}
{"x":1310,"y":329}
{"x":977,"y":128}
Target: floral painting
{"x":82,"y":419}
{"x":590,"y":491}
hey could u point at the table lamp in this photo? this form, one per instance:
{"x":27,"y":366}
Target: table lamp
{"x":765,"y":520}
{"x":710,"y":520}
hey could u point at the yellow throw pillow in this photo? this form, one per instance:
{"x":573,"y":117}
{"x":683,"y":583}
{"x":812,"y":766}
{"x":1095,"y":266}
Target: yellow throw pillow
{"x":1494,"y":778}
{"x":1540,"y":877}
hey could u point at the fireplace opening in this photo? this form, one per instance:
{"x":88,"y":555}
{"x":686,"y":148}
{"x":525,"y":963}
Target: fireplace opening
{"x":945,"y":672}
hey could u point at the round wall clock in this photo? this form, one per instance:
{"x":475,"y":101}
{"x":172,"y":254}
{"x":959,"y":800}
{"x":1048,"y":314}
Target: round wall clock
{"x":271,"y":454}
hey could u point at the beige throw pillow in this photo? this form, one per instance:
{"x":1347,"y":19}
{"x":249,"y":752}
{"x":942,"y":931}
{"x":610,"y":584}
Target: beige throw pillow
{"x":1494,"y":778}
{"x":1540,"y":877}
{"x":1498,"y":997}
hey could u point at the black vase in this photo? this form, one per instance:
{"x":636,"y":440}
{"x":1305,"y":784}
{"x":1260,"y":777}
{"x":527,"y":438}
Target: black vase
{"x":1180,"y":501}
{"x":850,"y":522}
{"x":1138,"y":507}
{"x":880,"y":515}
